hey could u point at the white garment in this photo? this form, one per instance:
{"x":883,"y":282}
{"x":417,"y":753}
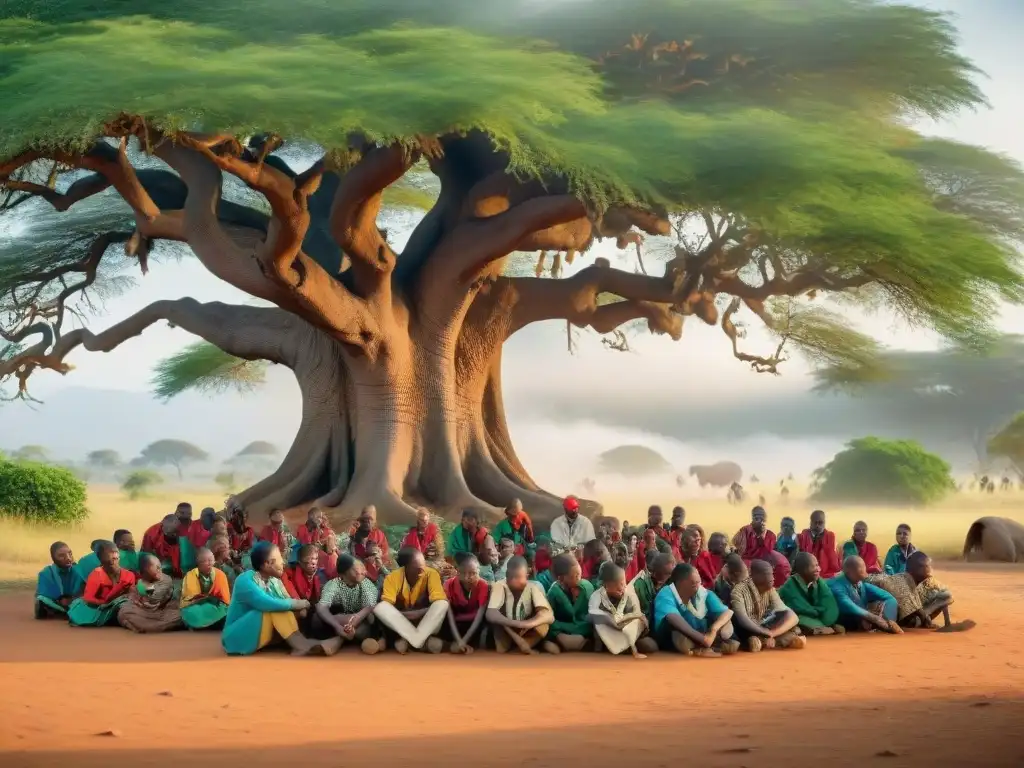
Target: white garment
{"x":531,"y":600}
{"x":568,"y":535}
{"x":616,"y":640}
{"x":416,"y":634}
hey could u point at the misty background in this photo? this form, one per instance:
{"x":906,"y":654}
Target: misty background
{"x":689,"y":400}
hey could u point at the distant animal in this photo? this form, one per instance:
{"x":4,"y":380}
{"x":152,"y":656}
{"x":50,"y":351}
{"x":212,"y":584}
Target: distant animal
{"x":1006,"y":484}
{"x":720,"y":475}
{"x":680,"y":481}
{"x":996,"y":539}
{"x":790,"y":477}
{"x":755,"y":479}
{"x":784,"y":493}
{"x":589,"y":486}
{"x":761,"y":499}
{"x":735,"y":494}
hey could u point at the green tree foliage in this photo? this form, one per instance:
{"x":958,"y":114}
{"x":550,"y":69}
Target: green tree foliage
{"x":1008,"y":443}
{"x":175,"y":453}
{"x":140,"y":482}
{"x":105,"y":458}
{"x":780,"y":120}
{"x":633,"y":461}
{"x":41,"y":493}
{"x":875,"y":471}
{"x":202,"y":367}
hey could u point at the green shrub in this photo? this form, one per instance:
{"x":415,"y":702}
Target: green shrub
{"x":875,"y":471}
{"x":41,"y":493}
{"x":138,"y":483}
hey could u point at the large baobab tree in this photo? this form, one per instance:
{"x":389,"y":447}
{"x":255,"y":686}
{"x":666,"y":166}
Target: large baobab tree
{"x":766,"y":141}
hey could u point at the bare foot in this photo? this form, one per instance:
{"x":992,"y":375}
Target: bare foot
{"x":370,"y":646}
{"x":332,"y":646}
{"x":958,"y":626}
{"x":638,"y":655}
{"x":551,"y":647}
{"x":402,"y":646}
{"x":434,"y":645}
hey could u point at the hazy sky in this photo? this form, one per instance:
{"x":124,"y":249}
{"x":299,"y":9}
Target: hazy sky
{"x":657,"y":369}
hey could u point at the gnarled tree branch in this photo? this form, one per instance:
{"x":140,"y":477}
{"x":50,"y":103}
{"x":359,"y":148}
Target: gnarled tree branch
{"x":355,"y":209}
{"x":251,"y":333}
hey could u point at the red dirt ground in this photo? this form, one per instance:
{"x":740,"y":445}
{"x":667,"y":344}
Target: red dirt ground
{"x":916,"y":700}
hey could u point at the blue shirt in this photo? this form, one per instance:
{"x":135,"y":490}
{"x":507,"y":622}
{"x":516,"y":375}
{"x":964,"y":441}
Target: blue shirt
{"x":853,"y":600}
{"x":700,"y":613}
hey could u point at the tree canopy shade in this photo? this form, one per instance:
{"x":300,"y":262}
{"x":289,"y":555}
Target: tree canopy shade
{"x":764,"y":140}
{"x":175,"y":453}
{"x":875,"y":471}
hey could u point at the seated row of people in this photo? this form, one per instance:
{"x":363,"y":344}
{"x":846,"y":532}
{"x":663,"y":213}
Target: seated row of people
{"x":173,"y":542}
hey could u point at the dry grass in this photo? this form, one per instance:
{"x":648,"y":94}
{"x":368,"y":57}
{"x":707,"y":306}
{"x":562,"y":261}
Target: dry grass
{"x":938,"y":530}
{"x":24,"y":549}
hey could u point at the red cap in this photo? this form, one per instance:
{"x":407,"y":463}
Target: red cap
{"x":571,"y":504}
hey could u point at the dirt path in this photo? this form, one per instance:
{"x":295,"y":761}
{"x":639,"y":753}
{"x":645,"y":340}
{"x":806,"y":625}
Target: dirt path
{"x":917,"y":700}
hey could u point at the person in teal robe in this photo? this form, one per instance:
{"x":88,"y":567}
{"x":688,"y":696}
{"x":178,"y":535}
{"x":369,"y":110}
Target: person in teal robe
{"x":569,"y":597}
{"x":862,"y":605}
{"x":261,"y":609}
{"x":58,"y":584}
{"x":898,"y":554}
{"x":126,"y":546}
{"x":91,"y":561}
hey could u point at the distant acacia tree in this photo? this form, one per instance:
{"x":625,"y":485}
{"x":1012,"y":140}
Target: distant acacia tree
{"x":1008,"y":443}
{"x":140,"y":482}
{"x":105,"y":458}
{"x":258,"y":448}
{"x":767,"y":145}
{"x":32,"y":453}
{"x":175,"y":453}
{"x":227,"y":481}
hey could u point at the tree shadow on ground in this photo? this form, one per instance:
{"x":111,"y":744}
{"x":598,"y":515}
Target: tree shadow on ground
{"x":982,"y":733}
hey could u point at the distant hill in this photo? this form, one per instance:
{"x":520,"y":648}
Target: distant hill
{"x":73,"y":421}
{"x":633,"y":461}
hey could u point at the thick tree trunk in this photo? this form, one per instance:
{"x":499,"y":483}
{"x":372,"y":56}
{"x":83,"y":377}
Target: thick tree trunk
{"x":421,"y":423}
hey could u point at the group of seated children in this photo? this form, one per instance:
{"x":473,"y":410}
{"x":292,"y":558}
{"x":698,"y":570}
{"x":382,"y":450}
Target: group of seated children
{"x":579,"y":588}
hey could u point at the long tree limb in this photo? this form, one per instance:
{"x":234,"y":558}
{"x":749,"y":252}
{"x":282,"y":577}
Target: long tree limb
{"x":251,"y":333}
